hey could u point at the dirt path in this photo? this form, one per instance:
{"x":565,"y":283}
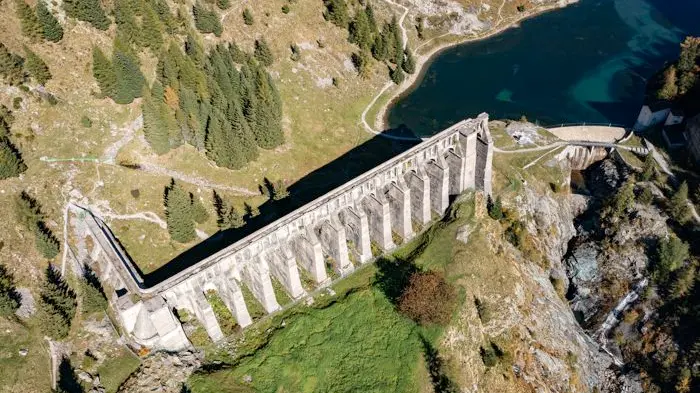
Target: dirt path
{"x":128,"y":134}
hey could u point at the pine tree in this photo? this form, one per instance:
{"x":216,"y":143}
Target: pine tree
{"x":57,"y":305}
{"x":46,"y":242}
{"x":31,"y":27}
{"x":395,"y":42}
{"x":36,"y":67}
{"x":262,"y":53}
{"x":206,"y":21}
{"x":371,"y":20}
{"x":243,"y":134}
{"x":280,"y":191}
{"x":27,"y":210}
{"x":154,"y":127}
{"x":648,"y":168}
{"x":687,"y":63}
{"x":268,"y":117}
{"x":9,"y":298}
{"x":669,"y":90}
{"x":227,"y":215}
{"x":678,"y":204}
{"x":103,"y":71}
{"x":409,"y":63}
{"x":380,"y":48}
{"x":178,"y":212}
{"x":623,"y":200}
{"x":11,"y":164}
{"x":397,"y":75}
{"x":221,"y":145}
{"x":11,"y":66}
{"x":151,"y":34}
{"x":92,"y":293}
{"x":199,"y":212}
{"x":495,"y":209}
{"x":360,"y":31}
{"x":337,"y":12}
{"x":90,"y":11}
{"x":248,"y":17}
{"x":51,"y":28}
{"x":129,"y":79}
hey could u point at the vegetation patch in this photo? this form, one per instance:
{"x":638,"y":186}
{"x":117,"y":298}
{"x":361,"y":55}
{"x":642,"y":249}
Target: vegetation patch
{"x":116,"y":369}
{"x":359,"y":344}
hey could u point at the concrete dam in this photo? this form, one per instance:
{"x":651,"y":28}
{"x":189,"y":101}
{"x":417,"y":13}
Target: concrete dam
{"x":339,"y":229}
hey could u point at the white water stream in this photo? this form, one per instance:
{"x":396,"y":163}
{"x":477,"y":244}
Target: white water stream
{"x":613,"y":318}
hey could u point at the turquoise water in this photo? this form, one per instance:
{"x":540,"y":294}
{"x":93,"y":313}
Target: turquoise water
{"x":588,"y":62}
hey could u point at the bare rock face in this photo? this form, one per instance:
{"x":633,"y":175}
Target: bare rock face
{"x":162,"y":373}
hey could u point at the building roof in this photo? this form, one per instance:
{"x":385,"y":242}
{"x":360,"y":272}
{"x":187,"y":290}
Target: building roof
{"x":144,"y":329}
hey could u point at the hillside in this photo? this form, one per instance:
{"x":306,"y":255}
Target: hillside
{"x":81,"y":147}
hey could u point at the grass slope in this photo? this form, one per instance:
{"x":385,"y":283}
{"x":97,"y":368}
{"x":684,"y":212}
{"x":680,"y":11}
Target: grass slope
{"x":358,"y":345}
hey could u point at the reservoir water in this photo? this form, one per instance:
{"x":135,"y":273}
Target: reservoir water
{"x":588,"y":62}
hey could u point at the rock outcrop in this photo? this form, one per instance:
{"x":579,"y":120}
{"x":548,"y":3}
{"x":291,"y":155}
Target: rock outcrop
{"x":162,"y":373}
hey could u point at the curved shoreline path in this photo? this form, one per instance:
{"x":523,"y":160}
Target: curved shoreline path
{"x":422,"y":60}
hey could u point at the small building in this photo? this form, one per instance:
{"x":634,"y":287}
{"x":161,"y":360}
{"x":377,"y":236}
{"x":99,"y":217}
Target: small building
{"x":674,"y":135}
{"x":674,"y":117}
{"x":652,"y":114}
{"x":692,"y":135}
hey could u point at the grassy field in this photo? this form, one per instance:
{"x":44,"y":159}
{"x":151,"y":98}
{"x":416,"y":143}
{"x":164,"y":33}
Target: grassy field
{"x":359,"y":344}
{"x":31,"y":373}
{"x":116,"y":369}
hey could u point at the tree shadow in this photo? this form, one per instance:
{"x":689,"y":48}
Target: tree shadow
{"x":393,"y":276}
{"x":91,"y":279}
{"x":67,"y":381}
{"x":438,"y":377}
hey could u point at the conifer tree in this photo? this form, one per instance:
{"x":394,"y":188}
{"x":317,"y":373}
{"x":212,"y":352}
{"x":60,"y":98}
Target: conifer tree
{"x":199,"y":212}
{"x":103,"y":71}
{"x":52,"y":30}
{"x":206,"y":20}
{"x":371,"y":20}
{"x":243,"y":134}
{"x":92,"y":293}
{"x":27,"y":210}
{"x":248,"y":17}
{"x":178,"y":212}
{"x":337,"y":12}
{"x":380,"y":48}
{"x":11,"y":164}
{"x":129,"y":79}
{"x":262,"y":53}
{"x":227,"y":215}
{"x":395,"y":42}
{"x":9,"y":298}
{"x":360,"y":32}
{"x":151,"y":34}
{"x":46,"y":242}
{"x":36,"y":67}
{"x":57,"y":305}
{"x":31,"y":27}
{"x":268,"y":125}
{"x":648,"y":168}
{"x":280,"y":191}
{"x":678,"y":204}
{"x":221,"y":145}
{"x":409,"y":63}
{"x":11,"y":66}
{"x":90,"y":11}
{"x":397,"y":75}
{"x":194,"y":49}
{"x":154,"y":128}
{"x":669,"y":89}
{"x":223,"y":4}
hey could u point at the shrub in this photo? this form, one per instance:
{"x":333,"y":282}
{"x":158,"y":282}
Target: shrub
{"x":483,"y":309}
{"x":85,"y":122}
{"x":646,"y":197}
{"x":285,"y":9}
{"x":521,"y":8}
{"x":671,"y":254}
{"x":9,"y":298}
{"x":296,"y":52}
{"x":494,"y":208}
{"x":17,"y":102}
{"x":678,"y":204}
{"x":248,"y":17}
{"x":428,"y":299}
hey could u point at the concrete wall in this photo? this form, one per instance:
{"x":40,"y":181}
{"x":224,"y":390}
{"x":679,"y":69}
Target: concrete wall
{"x":373,"y":207}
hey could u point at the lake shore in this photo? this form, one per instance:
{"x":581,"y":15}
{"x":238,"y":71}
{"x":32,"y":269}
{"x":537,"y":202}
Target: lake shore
{"x":424,"y":60}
